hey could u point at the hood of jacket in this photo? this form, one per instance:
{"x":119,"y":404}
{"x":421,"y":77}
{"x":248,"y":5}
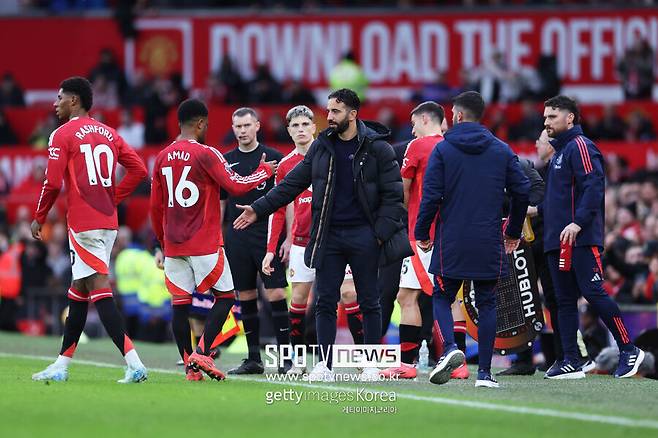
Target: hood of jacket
{"x":469,"y":137}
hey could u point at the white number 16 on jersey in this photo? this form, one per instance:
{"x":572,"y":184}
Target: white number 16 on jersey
{"x":182,"y":185}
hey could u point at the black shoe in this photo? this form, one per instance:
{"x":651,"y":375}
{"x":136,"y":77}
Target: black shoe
{"x":518,"y":369}
{"x":248,"y":366}
{"x":286,"y":366}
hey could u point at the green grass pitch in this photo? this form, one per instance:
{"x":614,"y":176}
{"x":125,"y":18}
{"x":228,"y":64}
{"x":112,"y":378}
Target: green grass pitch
{"x":92,"y":405}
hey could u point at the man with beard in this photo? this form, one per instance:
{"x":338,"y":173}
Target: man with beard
{"x":356,"y":217}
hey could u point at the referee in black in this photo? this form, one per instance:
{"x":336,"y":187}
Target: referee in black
{"x":245,"y":249}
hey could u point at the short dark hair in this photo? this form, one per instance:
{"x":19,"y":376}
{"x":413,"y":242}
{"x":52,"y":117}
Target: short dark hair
{"x":81,"y":87}
{"x":190,"y":110}
{"x":472,"y":103}
{"x":241,"y":112}
{"x":348,"y":97}
{"x":563,"y":102}
{"x":432,"y":109}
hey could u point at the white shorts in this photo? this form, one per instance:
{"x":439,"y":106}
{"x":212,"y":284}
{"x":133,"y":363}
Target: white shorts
{"x":90,"y":252}
{"x":185,"y":274}
{"x":415,"y":273}
{"x":298,"y":272}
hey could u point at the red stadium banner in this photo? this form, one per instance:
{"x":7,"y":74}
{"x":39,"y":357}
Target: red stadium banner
{"x":17,"y":163}
{"x":395,"y":50}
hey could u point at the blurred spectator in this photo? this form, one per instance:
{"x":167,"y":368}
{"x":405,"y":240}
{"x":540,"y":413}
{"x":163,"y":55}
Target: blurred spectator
{"x":10,"y":93}
{"x":130,"y":130}
{"x":296,"y":93}
{"x":229,"y":75}
{"x":529,"y":125}
{"x":636,"y":70}
{"x":105,"y":93}
{"x":498,"y":125}
{"x":35,"y":272}
{"x":162,"y":96}
{"x":550,"y":80}
{"x":214,"y":92}
{"x":277,"y":130}
{"x":41,"y":133}
{"x":27,"y":192}
{"x":109,"y":68}
{"x":349,"y":74}
{"x":611,"y":126}
{"x":497,"y":82}
{"x":7,"y":136}
{"x":10,"y":281}
{"x":59,"y":258}
{"x":263,"y":88}
{"x":639,"y":127}
{"x":439,"y":91}
{"x":595,"y":335}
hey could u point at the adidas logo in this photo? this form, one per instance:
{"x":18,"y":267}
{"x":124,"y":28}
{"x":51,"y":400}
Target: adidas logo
{"x":597,"y":277}
{"x":631,"y":359}
{"x":568,"y":368}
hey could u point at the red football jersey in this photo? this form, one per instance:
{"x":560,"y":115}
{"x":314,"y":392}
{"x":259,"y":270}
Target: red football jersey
{"x":413,"y":168}
{"x":301,"y":225}
{"x":84,"y":154}
{"x":185,"y":208}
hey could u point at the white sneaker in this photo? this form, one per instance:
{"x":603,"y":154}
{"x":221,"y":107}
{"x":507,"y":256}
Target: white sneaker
{"x":321,"y":373}
{"x":369,"y":374}
{"x":296,"y":371}
{"x":54,"y":372}
{"x":134,"y":375}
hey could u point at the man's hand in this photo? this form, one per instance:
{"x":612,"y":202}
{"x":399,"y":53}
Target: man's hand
{"x":511,"y":244}
{"x":273,"y":165}
{"x":425,"y":245}
{"x":36,"y":229}
{"x":267,"y":263}
{"x":159,"y":258}
{"x":284,"y":251}
{"x":247,"y":217}
{"x":532,"y":211}
{"x":568,"y":235}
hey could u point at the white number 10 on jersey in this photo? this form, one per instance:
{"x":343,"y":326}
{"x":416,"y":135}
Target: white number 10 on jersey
{"x":93,"y":162}
{"x":182,"y":185}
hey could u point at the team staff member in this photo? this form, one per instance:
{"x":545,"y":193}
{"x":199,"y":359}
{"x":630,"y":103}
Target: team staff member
{"x":573,"y":212}
{"x":464,"y":189}
{"x":356,"y":208}
{"x":245,"y":249}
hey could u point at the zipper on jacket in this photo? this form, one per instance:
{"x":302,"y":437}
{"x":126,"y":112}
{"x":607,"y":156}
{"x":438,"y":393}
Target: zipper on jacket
{"x":327,"y":189}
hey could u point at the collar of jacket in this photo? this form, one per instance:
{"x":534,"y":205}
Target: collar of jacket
{"x":561,"y":140}
{"x":364,"y":130}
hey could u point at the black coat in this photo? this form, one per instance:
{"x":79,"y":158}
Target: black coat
{"x":378,"y":187}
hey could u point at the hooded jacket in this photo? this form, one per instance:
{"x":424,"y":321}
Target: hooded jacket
{"x":466,"y":181}
{"x":575,"y":190}
{"x":378,"y":186}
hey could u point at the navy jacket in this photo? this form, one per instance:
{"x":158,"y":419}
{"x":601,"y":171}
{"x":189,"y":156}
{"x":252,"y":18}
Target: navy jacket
{"x":465,"y":182}
{"x":575,"y":190}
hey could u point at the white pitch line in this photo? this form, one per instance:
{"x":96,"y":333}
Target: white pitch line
{"x":541,"y":412}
